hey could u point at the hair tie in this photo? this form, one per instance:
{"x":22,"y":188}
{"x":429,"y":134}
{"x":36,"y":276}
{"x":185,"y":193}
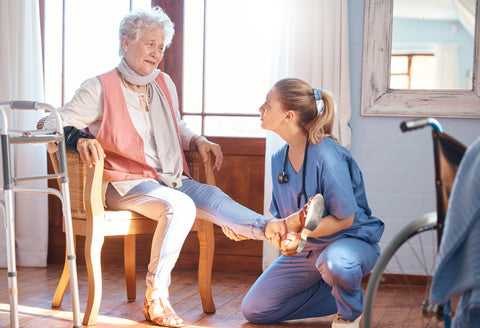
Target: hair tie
{"x":317,"y":93}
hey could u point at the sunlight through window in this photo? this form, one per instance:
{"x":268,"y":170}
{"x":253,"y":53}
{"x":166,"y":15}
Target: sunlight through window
{"x":89,"y":41}
{"x":226,"y":82}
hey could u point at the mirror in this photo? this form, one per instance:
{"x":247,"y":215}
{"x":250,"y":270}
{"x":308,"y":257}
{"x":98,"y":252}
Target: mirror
{"x":383,"y":97}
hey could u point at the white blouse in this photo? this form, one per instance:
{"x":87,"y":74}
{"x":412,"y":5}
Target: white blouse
{"x":86,"y":110}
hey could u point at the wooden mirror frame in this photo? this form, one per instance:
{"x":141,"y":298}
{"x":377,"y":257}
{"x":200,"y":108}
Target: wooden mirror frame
{"x":377,"y":97}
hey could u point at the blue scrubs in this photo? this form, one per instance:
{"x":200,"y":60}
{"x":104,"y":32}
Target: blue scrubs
{"x":325,"y":277}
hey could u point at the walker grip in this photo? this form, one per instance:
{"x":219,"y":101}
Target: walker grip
{"x":23,"y":104}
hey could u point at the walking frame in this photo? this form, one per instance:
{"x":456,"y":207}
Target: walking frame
{"x":9,"y":137}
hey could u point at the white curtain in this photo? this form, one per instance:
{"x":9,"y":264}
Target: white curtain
{"x":21,"y":77}
{"x":312,"y":44}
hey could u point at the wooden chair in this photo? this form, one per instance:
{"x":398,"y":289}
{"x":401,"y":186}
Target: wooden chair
{"x":91,"y":220}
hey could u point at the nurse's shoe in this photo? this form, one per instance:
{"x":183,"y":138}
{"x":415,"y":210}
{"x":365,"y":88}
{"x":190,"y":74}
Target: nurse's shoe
{"x":340,"y":322}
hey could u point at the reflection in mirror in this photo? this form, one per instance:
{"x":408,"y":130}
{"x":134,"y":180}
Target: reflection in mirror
{"x":432,"y":44}
{"x":378,"y":97}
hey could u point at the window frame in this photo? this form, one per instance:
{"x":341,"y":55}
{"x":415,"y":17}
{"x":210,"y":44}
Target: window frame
{"x":408,"y":73}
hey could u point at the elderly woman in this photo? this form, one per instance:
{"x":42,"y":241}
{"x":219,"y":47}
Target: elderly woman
{"x":130,"y":117}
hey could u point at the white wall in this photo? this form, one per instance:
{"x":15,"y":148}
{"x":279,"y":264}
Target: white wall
{"x":397,"y":167}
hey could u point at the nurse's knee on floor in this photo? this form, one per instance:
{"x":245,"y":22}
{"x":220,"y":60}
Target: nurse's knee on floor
{"x":251,"y":312}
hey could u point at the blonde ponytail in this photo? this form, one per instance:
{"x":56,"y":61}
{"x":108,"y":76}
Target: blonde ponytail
{"x":322,"y":125}
{"x":299,"y":96}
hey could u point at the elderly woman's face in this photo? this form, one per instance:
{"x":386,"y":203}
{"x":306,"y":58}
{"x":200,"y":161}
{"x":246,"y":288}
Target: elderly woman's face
{"x":144,"y":55}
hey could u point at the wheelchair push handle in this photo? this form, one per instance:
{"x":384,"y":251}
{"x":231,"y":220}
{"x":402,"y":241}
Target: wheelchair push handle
{"x":410,"y":125}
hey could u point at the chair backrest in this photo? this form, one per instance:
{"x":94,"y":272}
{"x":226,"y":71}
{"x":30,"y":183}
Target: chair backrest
{"x":448,"y":153}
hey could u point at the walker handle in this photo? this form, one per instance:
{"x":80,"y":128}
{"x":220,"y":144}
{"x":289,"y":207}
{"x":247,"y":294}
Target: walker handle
{"x":23,"y":104}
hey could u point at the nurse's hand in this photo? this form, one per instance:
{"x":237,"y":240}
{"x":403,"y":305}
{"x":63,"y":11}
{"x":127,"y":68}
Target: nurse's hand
{"x":232,"y":235}
{"x":275,"y":230}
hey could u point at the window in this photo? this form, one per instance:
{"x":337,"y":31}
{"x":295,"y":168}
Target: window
{"x":227,"y":62}
{"x":413,"y":71}
{"x":86,"y":45}
{"x":227,"y":65}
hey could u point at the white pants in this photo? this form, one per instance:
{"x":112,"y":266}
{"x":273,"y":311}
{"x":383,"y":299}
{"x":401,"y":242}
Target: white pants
{"x":175,"y":210}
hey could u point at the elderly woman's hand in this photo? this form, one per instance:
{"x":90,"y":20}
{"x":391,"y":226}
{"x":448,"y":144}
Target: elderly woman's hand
{"x":51,"y":147}
{"x":204,"y":146}
{"x":41,"y":123}
{"x":90,"y":151}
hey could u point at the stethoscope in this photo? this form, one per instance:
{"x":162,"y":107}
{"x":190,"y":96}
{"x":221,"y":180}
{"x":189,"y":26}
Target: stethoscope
{"x":283,"y":177}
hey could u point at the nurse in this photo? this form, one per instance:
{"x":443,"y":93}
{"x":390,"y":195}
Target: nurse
{"x":323,"y":276}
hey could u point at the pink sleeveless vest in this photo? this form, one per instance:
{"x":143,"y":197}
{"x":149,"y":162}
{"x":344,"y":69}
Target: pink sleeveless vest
{"x":123,"y":146}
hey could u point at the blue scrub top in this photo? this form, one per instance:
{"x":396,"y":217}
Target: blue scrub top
{"x":332,"y":172}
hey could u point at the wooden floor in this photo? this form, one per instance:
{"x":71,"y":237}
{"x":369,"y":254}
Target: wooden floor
{"x":37,"y":285}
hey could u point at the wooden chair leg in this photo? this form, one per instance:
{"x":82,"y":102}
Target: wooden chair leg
{"x":63,"y":283}
{"x":207,"y":247}
{"x":93,"y":250}
{"x":129,"y":249}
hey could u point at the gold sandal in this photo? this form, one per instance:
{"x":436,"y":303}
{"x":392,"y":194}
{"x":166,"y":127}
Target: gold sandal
{"x":161,"y":313}
{"x":310,"y":216}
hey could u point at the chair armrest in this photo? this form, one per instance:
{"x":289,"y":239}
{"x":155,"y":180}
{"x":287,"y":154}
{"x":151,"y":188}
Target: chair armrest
{"x":85,"y":184}
{"x":93,"y":191}
{"x":195,"y":164}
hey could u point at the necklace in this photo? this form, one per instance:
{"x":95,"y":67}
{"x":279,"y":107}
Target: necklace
{"x":143,"y":92}
{"x":144,"y":100}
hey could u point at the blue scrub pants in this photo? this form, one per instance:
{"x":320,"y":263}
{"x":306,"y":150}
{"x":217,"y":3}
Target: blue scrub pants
{"x":175,"y":210}
{"x":319,"y":281}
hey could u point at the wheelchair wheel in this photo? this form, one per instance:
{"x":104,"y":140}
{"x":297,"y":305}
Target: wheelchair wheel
{"x":398,"y":288}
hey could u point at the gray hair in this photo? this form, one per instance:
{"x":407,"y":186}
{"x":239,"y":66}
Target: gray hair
{"x":136,"y":21}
